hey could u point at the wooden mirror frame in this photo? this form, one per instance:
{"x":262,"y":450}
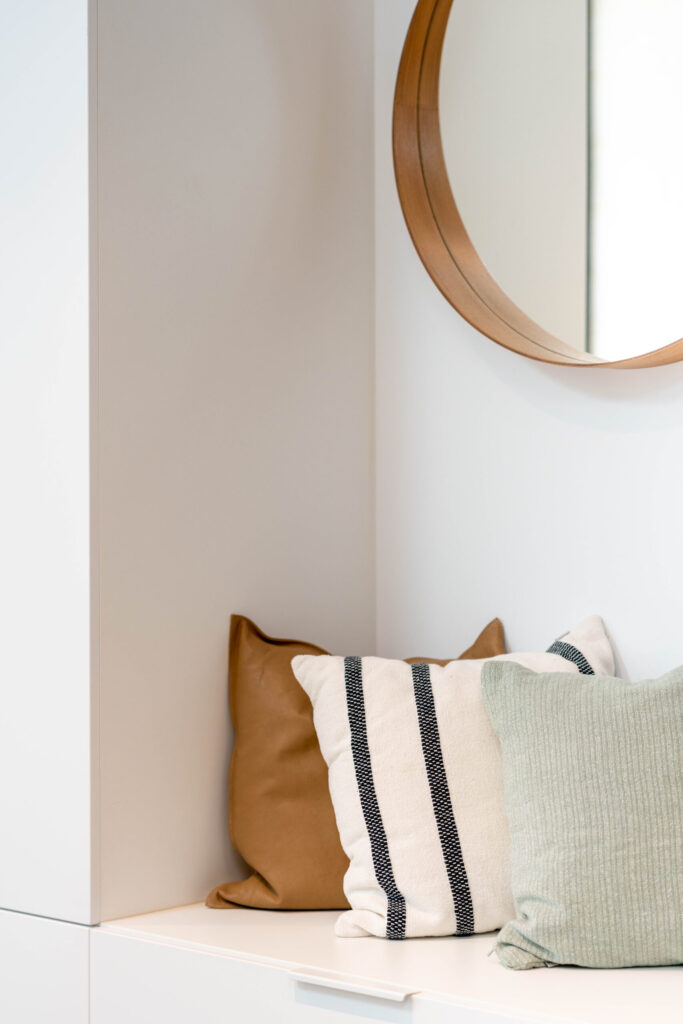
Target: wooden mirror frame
{"x":432,"y":216}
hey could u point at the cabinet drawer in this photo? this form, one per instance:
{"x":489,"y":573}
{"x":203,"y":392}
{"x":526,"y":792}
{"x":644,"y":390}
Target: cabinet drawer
{"x":145,"y":981}
{"x":43,"y":970}
{"x":139,"y":981}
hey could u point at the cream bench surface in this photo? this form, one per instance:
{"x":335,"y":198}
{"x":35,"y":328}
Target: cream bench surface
{"x":191,"y":964}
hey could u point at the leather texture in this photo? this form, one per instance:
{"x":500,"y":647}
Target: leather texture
{"x":280,"y":812}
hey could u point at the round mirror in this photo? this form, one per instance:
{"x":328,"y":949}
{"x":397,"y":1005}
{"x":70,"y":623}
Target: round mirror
{"x":539,"y":169}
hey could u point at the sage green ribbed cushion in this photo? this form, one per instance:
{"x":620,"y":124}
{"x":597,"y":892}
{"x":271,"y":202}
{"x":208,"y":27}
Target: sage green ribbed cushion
{"x":593,"y":776}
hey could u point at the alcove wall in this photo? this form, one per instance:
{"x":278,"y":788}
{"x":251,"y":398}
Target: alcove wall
{"x":236,"y":393}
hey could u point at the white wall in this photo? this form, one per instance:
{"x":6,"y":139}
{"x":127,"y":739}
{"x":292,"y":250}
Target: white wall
{"x":45,"y":835}
{"x":507,"y":487}
{"x":513,"y":111}
{"x":236,"y":386}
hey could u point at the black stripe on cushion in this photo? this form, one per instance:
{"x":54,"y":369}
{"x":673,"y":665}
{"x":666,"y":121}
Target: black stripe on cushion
{"x":572,"y":654}
{"x":396,"y":908}
{"x":441,"y":800}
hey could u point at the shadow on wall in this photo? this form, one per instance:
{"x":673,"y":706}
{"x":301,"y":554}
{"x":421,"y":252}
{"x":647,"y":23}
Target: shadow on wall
{"x":627,"y":400}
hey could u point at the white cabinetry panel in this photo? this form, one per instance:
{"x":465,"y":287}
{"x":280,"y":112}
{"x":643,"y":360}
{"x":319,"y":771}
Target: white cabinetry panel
{"x":44,"y":455}
{"x":43,"y":970}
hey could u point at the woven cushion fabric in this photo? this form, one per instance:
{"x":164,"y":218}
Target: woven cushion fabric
{"x":416,"y":783}
{"x":593,"y":773}
{"x":280,"y":812}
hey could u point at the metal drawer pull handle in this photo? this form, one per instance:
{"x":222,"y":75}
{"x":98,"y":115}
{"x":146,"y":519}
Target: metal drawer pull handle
{"x":360,"y":986}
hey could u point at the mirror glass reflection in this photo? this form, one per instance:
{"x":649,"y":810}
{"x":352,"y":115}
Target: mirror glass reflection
{"x":561,"y":130}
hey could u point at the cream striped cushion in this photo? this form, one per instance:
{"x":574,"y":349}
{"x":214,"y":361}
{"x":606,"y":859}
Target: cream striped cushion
{"x":416,"y":782}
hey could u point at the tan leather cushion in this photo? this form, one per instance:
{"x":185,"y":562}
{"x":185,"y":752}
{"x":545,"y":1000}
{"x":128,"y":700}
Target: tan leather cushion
{"x":280,"y":812}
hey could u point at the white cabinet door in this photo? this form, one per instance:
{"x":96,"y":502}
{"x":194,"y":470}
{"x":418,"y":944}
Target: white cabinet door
{"x":43,"y":970}
{"x":45,"y":837}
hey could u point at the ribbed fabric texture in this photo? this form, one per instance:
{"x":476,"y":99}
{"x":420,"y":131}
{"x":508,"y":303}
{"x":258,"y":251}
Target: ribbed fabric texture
{"x":593,"y":790}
